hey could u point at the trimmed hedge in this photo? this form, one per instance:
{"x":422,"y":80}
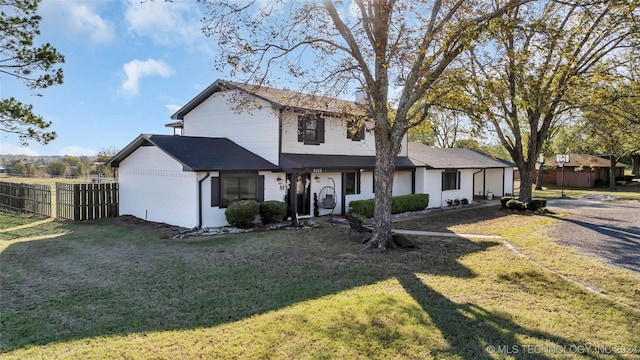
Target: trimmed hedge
{"x":399,"y":204}
{"x":513,"y":203}
{"x":272,"y":211}
{"x":242,"y":213}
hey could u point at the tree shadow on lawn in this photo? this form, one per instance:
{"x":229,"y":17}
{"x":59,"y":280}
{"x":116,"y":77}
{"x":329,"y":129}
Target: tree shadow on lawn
{"x":442,"y":220}
{"x":115,"y":281}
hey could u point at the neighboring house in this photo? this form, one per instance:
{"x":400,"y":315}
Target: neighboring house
{"x":582,"y":171}
{"x":451,"y":173}
{"x":244,"y":142}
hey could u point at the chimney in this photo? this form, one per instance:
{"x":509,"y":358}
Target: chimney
{"x":361,"y":97}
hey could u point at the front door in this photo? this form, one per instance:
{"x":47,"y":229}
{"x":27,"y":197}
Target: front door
{"x":303,"y":195}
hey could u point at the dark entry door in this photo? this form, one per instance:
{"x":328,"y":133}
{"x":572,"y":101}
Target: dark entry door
{"x":303,"y":195}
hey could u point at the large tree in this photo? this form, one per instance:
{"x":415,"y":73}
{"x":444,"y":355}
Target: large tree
{"x":610,"y":114}
{"x":523,"y":76}
{"x":377,"y":45}
{"x":36,"y":66}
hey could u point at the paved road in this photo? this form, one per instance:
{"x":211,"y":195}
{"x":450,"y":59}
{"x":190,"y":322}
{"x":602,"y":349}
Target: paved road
{"x":610,"y":230}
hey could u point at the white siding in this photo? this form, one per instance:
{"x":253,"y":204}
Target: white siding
{"x":154,"y":187}
{"x":255,"y":128}
{"x":336,"y":142}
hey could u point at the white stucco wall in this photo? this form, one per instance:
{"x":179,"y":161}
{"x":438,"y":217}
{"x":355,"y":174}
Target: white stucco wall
{"x":494,"y":181}
{"x":508,"y":181}
{"x":154,"y":187}
{"x":255,"y":128}
{"x":432,"y":185}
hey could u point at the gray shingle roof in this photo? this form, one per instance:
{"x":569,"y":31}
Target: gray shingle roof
{"x":452,"y":158}
{"x":199,"y":153}
{"x":278,"y":98}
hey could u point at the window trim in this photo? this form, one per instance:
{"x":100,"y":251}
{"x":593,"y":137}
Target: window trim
{"x":302,"y":129}
{"x":448,"y":173}
{"x":217,"y":196}
{"x":357,"y":182}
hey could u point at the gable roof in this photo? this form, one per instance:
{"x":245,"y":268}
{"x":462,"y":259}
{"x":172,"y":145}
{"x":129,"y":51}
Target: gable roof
{"x":278,"y":98}
{"x":583,"y":160}
{"x":198,"y":153}
{"x":452,"y":158}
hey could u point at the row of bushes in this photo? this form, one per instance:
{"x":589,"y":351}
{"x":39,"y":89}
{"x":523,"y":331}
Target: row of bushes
{"x":399,"y":204}
{"x":243,"y":213}
{"x":513,"y":203}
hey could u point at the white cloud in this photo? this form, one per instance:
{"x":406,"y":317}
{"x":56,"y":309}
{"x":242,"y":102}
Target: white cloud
{"x":9,"y":149}
{"x":77,"y":151}
{"x":173,"y":108}
{"x":137,"y":69}
{"x":165,"y":22}
{"x":79,"y":18}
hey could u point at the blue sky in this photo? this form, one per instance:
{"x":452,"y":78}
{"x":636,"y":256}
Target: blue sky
{"x":129,"y":66}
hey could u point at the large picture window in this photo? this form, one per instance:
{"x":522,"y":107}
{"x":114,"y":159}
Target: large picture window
{"x":451,"y":179}
{"x":311,"y":130}
{"x":232,"y":187}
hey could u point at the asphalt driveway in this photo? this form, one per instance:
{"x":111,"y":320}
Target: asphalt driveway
{"x":609,"y":230}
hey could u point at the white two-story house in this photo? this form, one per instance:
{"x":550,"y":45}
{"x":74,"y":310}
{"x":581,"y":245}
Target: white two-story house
{"x":235,"y":141}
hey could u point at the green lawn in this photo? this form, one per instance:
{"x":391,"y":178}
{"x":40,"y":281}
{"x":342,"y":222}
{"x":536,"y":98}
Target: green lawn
{"x":101,"y":290}
{"x":622,"y":192}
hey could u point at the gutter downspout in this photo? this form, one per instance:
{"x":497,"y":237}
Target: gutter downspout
{"x":200,"y":198}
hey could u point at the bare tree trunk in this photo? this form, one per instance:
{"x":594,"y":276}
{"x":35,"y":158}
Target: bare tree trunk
{"x":525,"y":182}
{"x":636,"y":165}
{"x":612,"y":172}
{"x":539,"y":178}
{"x":385,"y":170}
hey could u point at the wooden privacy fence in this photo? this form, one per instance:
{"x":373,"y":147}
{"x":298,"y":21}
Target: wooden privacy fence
{"x":26,"y":198}
{"x":79,"y":202}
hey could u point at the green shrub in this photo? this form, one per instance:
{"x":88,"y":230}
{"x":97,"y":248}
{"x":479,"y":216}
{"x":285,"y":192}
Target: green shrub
{"x":399,"y":204}
{"x":272,"y":211}
{"x":515,"y":204}
{"x":536,"y":204}
{"x":505,"y":199}
{"x":242,"y":213}
{"x":362,"y":207}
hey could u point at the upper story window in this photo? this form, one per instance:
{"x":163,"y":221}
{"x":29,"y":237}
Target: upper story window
{"x":451,"y":179}
{"x":355,"y":130}
{"x":311,"y":129}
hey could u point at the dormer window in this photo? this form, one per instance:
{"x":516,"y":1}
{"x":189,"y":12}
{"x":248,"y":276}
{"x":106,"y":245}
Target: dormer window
{"x":311,"y":130}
